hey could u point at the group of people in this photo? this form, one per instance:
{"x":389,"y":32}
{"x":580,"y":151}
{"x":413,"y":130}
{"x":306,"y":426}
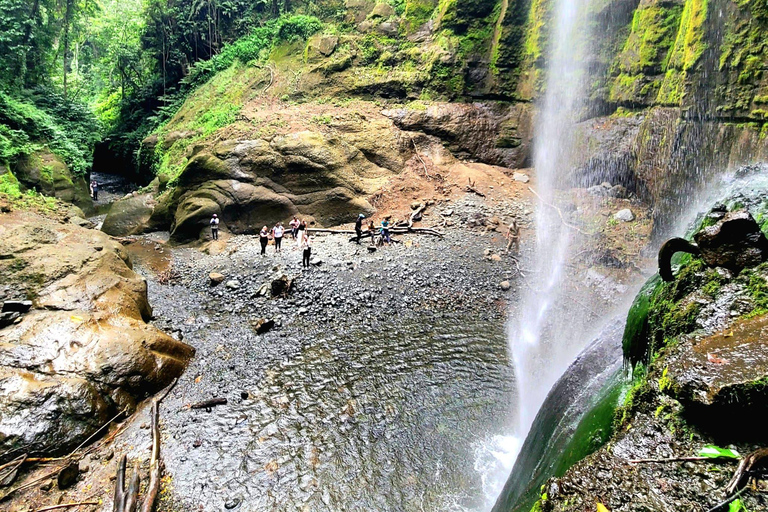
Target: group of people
{"x":371,"y":229}
{"x":298,"y":230}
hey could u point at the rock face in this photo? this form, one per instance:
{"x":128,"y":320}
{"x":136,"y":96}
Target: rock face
{"x":489,"y":133}
{"x":48,"y":174}
{"x":84,"y":351}
{"x":734,"y":242}
{"x":255,"y":182}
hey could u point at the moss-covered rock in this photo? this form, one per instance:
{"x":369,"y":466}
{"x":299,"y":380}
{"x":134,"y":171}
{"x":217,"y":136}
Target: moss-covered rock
{"x":47,"y":173}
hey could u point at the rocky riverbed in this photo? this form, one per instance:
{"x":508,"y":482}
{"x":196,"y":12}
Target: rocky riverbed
{"x":383,"y":384}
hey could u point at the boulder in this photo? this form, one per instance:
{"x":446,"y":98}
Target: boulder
{"x":84,"y":351}
{"x":382,"y":10}
{"x":137,"y":214}
{"x":734,"y":242}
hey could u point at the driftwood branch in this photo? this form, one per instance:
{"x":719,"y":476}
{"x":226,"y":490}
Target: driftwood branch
{"x":746,"y":465}
{"x":560,"y":214}
{"x":471,"y":188}
{"x":416,"y":150}
{"x":67,"y":505}
{"x":154,"y":464}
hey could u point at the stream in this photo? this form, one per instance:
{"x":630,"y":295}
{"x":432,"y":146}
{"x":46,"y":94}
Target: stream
{"x":380,"y":389}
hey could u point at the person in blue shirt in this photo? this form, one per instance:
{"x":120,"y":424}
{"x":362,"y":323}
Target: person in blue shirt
{"x":385,"y":230}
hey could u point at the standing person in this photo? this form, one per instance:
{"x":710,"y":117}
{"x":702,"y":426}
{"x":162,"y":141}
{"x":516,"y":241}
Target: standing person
{"x":294,"y":227}
{"x":359,"y":228}
{"x":385,"y":230}
{"x":513,"y":235}
{"x":306,"y":245}
{"x":90,"y":188}
{"x":264,"y":240}
{"x":278,"y":232}
{"x":95,"y":188}
{"x":372,"y":232}
{"x":215,"y":227}
{"x":302,"y":231}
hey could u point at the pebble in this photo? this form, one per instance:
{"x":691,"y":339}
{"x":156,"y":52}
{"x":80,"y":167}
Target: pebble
{"x":233,"y":284}
{"x":504,"y":285}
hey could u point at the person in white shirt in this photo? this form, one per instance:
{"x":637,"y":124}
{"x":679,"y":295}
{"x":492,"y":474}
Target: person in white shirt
{"x":215,"y":227}
{"x":277,"y":233}
{"x":294,"y":227}
{"x":306,"y":245}
{"x":302,"y":231}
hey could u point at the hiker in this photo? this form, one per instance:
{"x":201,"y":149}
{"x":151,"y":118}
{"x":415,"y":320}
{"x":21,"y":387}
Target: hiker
{"x":513,"y":236}
{"x":277,"y":233}
{"x":95,"y":190}
{"x":264,"y":239}
{"x":302,"y":231}
{"x":385,"y":230}
{"x":372,"y":232}
{"x":294,"y":227}
{"x":306,"y":245}
{"x":215,"y":227}
{"x":359,"y":228}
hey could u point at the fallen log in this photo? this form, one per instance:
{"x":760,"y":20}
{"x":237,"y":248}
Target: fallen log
{"x":207,"y":404}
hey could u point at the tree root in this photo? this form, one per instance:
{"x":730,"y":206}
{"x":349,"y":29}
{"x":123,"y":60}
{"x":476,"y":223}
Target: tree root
{"x":758,"y":458}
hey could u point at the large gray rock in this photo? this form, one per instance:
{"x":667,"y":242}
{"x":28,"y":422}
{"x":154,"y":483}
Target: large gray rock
{"x":84,"y":351}
{"x":734,"y":242}
{"x":135,"y":214}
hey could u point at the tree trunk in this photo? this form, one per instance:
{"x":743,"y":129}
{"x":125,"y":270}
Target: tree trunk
{"x":67,"y":19}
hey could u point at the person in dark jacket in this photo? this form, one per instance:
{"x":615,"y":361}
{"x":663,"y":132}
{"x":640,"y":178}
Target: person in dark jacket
{"x":359,"y":228}
{"x":264,"y":239}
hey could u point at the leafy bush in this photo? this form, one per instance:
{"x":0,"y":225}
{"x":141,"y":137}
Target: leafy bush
{"x":9,"y":185}
{"x":68,"y":129}
{"x":298,"y":27}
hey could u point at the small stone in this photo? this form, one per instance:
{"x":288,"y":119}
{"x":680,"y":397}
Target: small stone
{"x":448,"y":213}
{"x":197,"y":443}
{"x":263,"y":325}
{"x":233,"y":284}
{"x":303,"y":311}
{"x":624,"y":215}
{"x":244,"y":395}
{"x":487,"y":252}
{"x":504,"y":285}
{"x":519,"y":176}
{"x":215,"y":278}
{"x":68,"y":476}
{"x":47,"y":486}
{"x":233,"y":503}
{"x":415,"y":205}
{"x":495,"y":257}
{"x":316,"y":262}
{"x":109,"y":455}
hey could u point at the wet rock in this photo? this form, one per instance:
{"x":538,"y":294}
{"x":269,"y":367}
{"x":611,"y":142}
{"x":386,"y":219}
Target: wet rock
{"x":734,"y":242}
{"x":624,"y":215}
{"x":215,"y":278}
{"x":618,"y":191}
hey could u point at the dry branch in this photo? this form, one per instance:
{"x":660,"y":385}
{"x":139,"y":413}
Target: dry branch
{"x":471,"y":188}
{"x":154,"y":464}
{"x":207,"y":404}
{"x":560,"y":214}
{"x":67,"y":505}
{"x":746,"y":465}
{"x":670,"y":459}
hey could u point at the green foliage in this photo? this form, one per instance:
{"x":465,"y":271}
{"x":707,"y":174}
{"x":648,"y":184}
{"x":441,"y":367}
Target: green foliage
{"x":652,"y":33}
{"x":9,"y":185}
{"x":715,"y":452}
{"x":737,"y":506}
{"x":68,"y":129}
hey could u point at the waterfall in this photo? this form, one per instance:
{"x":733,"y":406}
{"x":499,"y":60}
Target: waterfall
{"x":548,"y":332}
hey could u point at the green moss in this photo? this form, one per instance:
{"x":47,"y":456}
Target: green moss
{"x":754,"y":279}
{"x":535,"y":36}
{"x":652,"y":33}
{"x":690,"y":41}
{"x":626,"y":88}
{"x":638,"y":393}
{"x":672,"y":88}
{"x":417,"y":13}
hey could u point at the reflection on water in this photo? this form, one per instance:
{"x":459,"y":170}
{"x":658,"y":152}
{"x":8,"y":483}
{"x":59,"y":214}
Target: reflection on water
{"x":372,"y":420}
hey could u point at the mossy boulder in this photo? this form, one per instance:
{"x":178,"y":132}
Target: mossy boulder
{"x":47,"y":173}
{"x":136,"y":214}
